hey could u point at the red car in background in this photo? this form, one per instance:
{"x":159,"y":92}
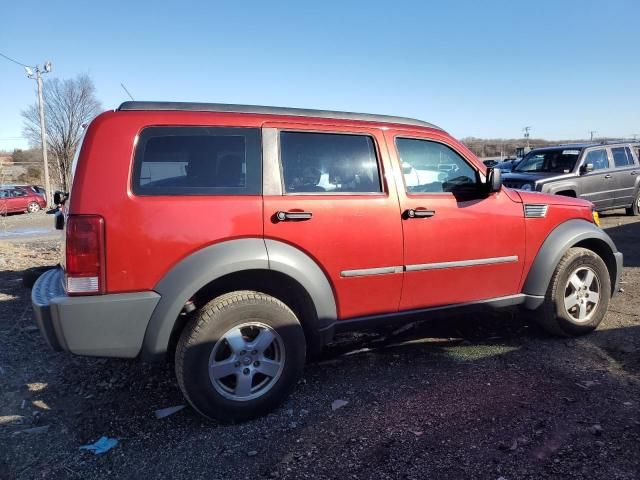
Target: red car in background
{"x":18,"y":199}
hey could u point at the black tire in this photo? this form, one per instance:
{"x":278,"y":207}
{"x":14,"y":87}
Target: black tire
{"x":30,"y":275}
{"x":209,"y":325}
{"x":553,"y":316}
{"x":634,"y":209}
{"x":33,"y":207}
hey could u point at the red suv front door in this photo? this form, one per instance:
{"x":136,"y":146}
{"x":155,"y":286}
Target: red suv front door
{"x":455,"y":250}
{"x":338,"y":207}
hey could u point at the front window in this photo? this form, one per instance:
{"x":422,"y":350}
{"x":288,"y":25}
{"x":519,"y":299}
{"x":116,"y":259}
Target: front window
{"x":597,"y":158}
{"x":432,"y":167}
{"x":561,"y":160}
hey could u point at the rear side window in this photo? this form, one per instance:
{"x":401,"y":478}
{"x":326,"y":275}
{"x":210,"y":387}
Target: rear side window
{"x":597,"y":158}
{"x":622,"y":156}
{"x":198,"y":161}
{"x":329,"y":163}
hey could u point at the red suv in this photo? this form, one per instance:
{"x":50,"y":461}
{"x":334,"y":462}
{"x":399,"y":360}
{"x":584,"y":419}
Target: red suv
{"x":241,"y":238}
{"x":20,"y":199}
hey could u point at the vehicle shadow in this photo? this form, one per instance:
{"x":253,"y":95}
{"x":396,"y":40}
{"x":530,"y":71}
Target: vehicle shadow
{"x":626,"y":236}
{"x":435,"y":377}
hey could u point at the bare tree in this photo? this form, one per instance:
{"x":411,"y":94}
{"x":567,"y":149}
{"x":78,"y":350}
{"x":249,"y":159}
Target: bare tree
{"x":69,"y":104}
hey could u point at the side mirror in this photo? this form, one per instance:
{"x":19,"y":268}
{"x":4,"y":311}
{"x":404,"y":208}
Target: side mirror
{"x":59,"y":197}
{"x":494,"y":180}
{"x":586,"y":168}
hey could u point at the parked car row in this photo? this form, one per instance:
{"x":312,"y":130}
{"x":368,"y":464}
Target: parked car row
{"x":608,"y":175}
{"x":21,"y":198}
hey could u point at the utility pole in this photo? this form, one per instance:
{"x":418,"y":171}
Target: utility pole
{"x":43,"y":131}
{"x":591,"y":133}
{"x":527,"y":131}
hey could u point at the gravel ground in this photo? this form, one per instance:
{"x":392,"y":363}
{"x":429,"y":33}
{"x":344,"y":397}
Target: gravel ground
{"x":485,"y":396}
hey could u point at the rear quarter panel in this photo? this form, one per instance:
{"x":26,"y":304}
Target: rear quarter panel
{"x":147,"y":235}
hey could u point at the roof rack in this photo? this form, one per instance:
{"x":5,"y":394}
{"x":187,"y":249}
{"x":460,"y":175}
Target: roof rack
{"x":613,"y":141}
{"x":258,"y":109}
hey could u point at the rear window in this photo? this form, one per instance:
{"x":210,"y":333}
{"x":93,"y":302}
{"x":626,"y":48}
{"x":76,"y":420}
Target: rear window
{"x":329,"y":163}
{"x":198,"y":161}
{"x":622,"y":156}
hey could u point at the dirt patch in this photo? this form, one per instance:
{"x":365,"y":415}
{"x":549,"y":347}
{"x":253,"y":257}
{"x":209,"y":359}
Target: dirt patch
{"x":473,"y":397}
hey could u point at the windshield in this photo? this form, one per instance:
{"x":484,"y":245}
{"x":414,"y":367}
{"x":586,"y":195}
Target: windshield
{"x":561,"y":160}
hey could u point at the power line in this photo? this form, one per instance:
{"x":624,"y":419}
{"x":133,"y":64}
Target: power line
{"x":14,"y":61}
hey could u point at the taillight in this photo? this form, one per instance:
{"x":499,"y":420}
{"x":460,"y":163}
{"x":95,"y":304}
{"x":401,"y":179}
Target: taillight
{"x":85,"y":268}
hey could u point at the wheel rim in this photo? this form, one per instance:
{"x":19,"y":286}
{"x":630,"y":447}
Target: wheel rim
{"x":247,"y":361}
{"x":33,"y":207}
{"x":582,"y":294}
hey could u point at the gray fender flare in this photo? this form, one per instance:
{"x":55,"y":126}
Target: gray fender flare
{"x":553,"y":187}
{"x":195,"y":271}
{"x":561,"y":239}
{"x":298,"y":265}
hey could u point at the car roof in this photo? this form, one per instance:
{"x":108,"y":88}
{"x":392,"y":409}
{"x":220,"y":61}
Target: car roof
{"x":265,"y":110}
{"x":584,"y":145}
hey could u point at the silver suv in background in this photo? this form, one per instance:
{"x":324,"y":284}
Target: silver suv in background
{"x":607,"y":174}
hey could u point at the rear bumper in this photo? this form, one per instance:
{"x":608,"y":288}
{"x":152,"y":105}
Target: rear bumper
{"x":98,"y":325}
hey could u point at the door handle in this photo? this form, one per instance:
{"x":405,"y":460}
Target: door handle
{"x":419,"y":213}
{"x":634,"y":172}
{"x":290,"y":216}
{"x":607,"y":176}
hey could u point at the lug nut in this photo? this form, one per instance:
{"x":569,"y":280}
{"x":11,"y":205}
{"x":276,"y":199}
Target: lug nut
{"x":237,"y":364}
{"x":246,"y":371}
{"x":256,"y":364}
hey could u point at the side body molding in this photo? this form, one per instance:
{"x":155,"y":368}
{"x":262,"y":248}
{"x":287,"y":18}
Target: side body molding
{"x":206,"y":265}
{"x":561,"y":239}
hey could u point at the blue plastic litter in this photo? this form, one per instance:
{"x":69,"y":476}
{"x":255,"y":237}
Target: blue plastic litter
{"x":104,"y":444}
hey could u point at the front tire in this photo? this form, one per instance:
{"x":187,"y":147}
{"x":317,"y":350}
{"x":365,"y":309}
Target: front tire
{"x":240,"y":356}
{"x":635,"y":208}
{"x":33,"y":207}
{"x":578,"y":295}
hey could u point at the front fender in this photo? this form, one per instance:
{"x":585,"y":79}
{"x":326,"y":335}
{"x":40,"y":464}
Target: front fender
{"x":561,"y":239}
{"x":563,"y":186}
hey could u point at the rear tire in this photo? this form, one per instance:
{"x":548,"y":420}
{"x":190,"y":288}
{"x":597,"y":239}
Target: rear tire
{"x":33,"y":207}
{"x":240,"y":356}
{"x":578,"y":295}
{"x":635,"y":208}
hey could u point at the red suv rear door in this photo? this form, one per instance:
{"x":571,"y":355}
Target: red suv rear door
{"x":455,"y":250}
{"x":336,"y":203}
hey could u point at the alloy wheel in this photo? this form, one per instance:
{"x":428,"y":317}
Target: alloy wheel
{"x":582,"y":294}
{"x":246,"y":361}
